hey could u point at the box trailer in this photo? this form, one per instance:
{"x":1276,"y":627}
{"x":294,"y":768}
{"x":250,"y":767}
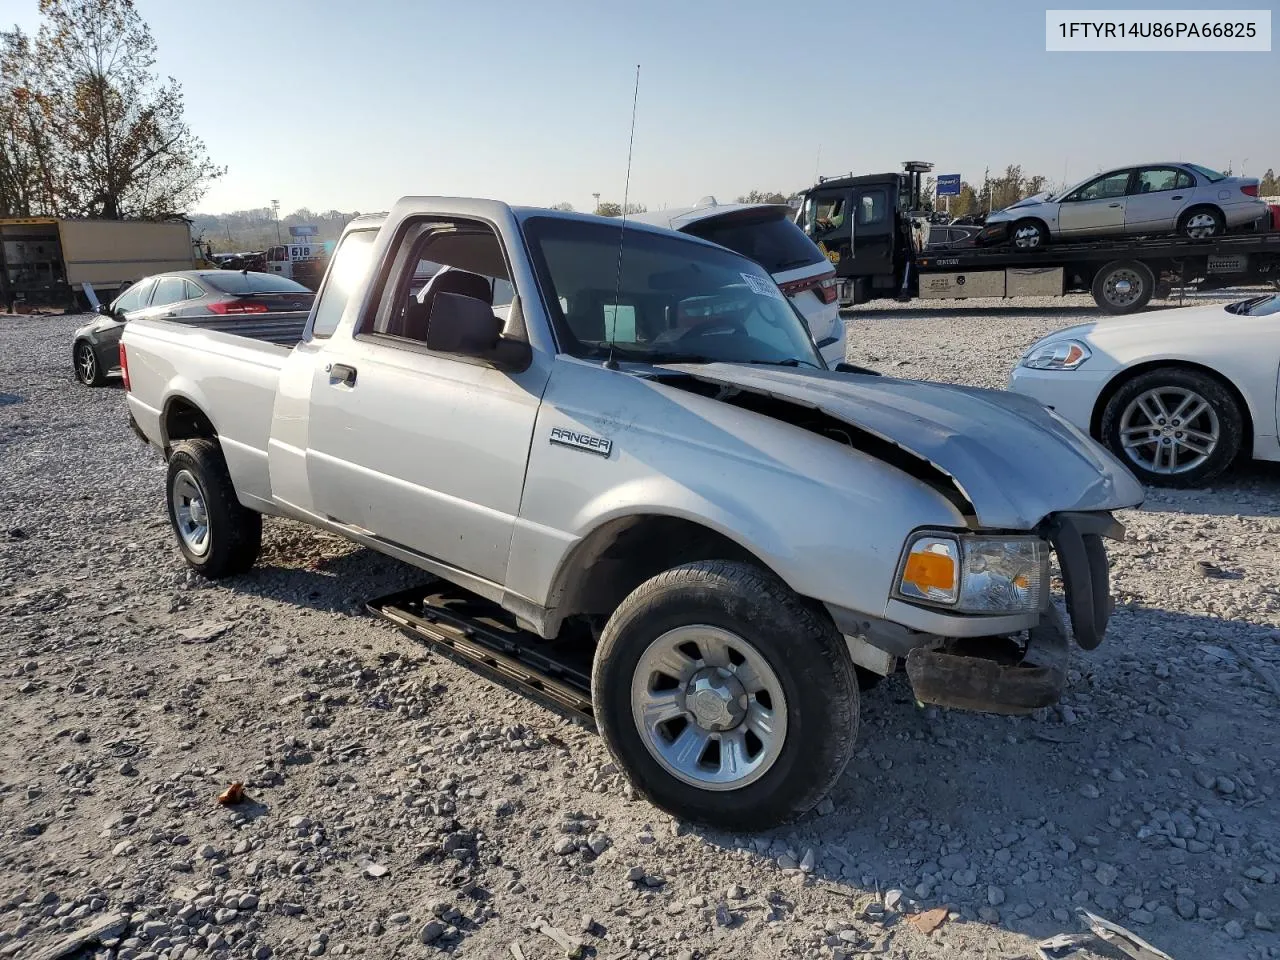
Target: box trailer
{"x":48,"y":260}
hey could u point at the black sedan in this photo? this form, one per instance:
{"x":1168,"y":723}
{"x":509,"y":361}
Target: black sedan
{"x":182,"y":293}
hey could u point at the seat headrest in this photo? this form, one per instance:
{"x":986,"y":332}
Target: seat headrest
{"x":453,"y":280}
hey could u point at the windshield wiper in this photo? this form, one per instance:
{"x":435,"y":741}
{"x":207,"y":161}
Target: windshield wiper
{"x":789,"y":362}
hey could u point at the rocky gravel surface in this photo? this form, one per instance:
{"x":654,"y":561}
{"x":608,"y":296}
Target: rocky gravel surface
{"x":397,"y":805}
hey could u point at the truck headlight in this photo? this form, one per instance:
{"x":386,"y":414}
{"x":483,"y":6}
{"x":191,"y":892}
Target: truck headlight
{"x":1059,"y":355}
{"x":976,"y":574}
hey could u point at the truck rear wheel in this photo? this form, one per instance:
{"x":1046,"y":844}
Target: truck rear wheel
{"x":218,"y":536}
{"x":725,"y":699}
{"x":1123,"y":286}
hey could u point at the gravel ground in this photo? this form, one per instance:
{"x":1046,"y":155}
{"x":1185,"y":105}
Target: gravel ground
{"x":401,"y":806}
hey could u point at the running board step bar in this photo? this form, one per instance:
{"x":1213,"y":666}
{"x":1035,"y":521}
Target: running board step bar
{"x":482,"y":635}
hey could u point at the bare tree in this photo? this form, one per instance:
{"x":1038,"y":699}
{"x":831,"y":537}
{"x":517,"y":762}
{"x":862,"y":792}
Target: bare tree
{"x":27,"y":178}
{"x":124,"y":147}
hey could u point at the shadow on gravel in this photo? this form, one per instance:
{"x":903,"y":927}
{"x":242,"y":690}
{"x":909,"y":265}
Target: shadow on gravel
{"x":1249,"y":490}
{"x":340,"y":583}
{"x":1015,"y":822}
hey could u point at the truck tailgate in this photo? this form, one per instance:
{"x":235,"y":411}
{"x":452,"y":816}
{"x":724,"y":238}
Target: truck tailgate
{"x":230,"y":378}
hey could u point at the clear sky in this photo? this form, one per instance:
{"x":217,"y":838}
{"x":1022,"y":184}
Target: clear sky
{"x":350,"y":104}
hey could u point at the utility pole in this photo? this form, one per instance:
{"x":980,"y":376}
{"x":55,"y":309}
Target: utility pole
{"x":275,"y":212}
{"x":597,"y":199}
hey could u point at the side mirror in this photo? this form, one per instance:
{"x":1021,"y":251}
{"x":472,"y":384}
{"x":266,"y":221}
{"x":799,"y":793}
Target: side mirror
{"x":468,"y":327}
{"x":105,"y":310}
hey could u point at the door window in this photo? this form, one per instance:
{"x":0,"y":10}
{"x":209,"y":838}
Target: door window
{"x":1159,"y":179}
{"x":135,"y":298}
{"x":456,"y":257}
{"x":1104,"y":188}
{"x":873,"y":206}
{"x":168,"y":290}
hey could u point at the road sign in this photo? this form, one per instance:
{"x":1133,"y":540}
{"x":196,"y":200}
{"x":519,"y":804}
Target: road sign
{"x":948,"y":185}
{"x":303,"y":231}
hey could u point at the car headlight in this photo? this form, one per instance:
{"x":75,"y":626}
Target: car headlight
{"x":1058,"y":355}
{"x":975,"y":574}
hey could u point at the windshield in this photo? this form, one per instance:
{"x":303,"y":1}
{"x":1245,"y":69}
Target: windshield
{"x":1213,"y":176}
{"x":238,"y":283}
{"x":1257,"y":307}
{"x":677,"y":300}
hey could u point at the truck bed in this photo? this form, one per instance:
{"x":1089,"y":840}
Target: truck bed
{"x":228,"y":367}
{"x":282,"y":329}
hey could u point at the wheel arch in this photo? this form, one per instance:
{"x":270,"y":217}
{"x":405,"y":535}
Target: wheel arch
{"x":1203,"y":205}
{"x":621,"y":553}
{"x":1129,"y":373}
{"x":184,"y":419}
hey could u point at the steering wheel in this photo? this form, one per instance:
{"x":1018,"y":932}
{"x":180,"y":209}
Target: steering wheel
{"x":708,"y":326}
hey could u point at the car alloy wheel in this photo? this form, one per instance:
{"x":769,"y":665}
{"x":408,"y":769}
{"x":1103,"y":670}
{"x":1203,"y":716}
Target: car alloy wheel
{"x":1169,"y":430}
{"x":86,"y":364}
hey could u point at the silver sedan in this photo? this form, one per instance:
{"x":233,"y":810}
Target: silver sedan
{"x":1183,"y":198}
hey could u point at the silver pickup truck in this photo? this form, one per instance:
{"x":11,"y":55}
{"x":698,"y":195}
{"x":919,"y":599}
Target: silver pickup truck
{"x":639,"y":490}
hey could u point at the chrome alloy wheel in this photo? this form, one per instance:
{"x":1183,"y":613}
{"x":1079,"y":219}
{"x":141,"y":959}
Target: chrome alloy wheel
{"x":86,"y":363}
{"x":1169,"y":430}
{"x":709,"y":707}
{"x":190,"y":514}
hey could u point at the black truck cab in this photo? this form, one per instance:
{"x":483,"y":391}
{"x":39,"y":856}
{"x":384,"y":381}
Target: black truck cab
{"x":864,"y":226}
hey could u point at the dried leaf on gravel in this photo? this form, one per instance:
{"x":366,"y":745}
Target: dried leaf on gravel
{"x":232,"y":795}
{"x":930,"y":920}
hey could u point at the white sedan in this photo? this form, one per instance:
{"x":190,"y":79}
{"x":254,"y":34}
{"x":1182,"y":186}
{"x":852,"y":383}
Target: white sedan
{"x":1177,"y":395}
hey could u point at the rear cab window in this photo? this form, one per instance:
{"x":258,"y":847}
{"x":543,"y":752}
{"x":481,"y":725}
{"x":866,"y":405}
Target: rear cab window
{"x":772,"y":240}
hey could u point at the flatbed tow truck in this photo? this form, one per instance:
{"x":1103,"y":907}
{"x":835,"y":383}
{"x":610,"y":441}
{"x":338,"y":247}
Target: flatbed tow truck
{"x":869,"y":227}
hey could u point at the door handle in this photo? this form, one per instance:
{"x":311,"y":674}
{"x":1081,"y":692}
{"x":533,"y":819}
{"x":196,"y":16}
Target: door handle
{"x":340,"y":373}
{"x":1113,"y":204}
{"x":1176,"y":197}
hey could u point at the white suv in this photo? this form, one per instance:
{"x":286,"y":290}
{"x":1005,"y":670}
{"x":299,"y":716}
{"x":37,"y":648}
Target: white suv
{"x":766,"y":234}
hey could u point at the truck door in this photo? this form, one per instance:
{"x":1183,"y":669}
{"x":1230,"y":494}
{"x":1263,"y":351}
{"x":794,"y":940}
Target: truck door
{"x":425,"y":450}
{"x":873,"y":226}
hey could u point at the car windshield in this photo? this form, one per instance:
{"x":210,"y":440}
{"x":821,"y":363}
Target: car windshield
{"x":1213,"y":176}
{"x":675,"y":300}
{"x":238,"y":283}
{"x":1257,"y":307}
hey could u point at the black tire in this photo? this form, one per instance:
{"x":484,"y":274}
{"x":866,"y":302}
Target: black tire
{"x":234,"y":532}
{"x":1037,"y":240}
{"x":1218,"y":228}
{"x":807,"y":654}
{"x":86,"y":365}
{"x":1230,"y":421}
{"x":1123,"y":286}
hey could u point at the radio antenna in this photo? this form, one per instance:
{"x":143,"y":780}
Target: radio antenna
{"x":610,"y":362}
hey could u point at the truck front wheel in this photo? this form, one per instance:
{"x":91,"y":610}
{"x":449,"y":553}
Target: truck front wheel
{"x":724,"y":697}
{"x":218,"y":536}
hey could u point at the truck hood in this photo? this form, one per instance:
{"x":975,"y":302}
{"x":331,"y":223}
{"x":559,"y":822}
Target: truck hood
{"x":1010,"y":458}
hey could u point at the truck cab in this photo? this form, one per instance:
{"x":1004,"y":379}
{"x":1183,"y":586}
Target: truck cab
{"x":866,"y":228}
